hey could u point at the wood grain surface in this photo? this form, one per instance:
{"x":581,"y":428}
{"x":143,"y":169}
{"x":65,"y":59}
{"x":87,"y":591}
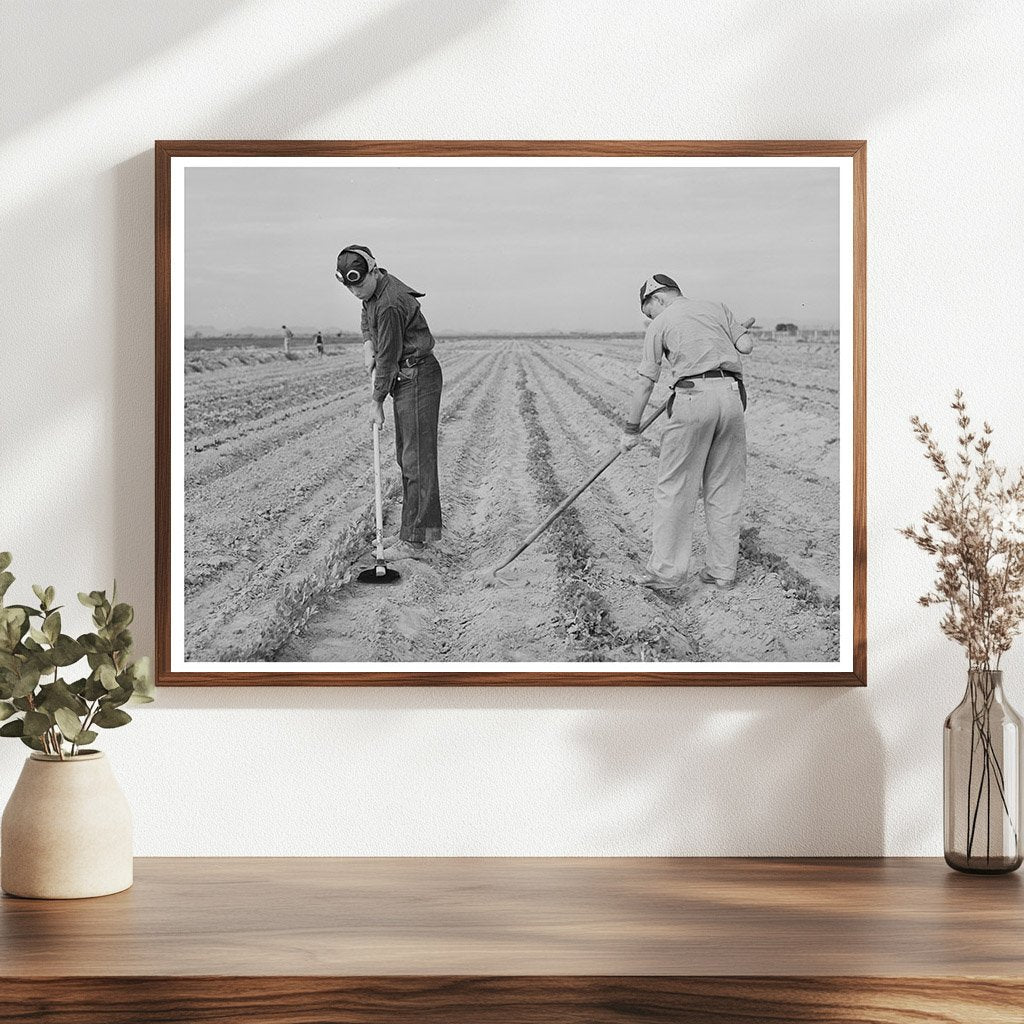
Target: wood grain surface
{"x":291,"y":940}
{"x":518,"y":1000}
{"x":166,"y":150}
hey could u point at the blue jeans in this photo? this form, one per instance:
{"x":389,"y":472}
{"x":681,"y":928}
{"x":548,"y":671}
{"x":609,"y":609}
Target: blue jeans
{"x":417,"y":399}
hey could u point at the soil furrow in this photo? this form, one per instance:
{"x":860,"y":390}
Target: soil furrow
{"x":290,"y":531}
{"x":439,"y":612}
{"x":776,"y":588}
{"x":611,"y":617}
{"x":279,"y":514}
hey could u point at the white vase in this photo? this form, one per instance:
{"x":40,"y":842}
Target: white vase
{"x":66,"y":831}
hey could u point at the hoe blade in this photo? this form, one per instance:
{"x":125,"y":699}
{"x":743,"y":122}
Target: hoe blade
{"x":380,"y":573}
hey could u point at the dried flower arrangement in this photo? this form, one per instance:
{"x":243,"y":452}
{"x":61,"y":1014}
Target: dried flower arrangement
{"x":975,"y":528}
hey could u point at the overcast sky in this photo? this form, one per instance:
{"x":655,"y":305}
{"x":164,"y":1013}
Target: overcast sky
{"x":510,"y":249}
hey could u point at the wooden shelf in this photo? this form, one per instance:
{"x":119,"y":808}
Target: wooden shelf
{"x":502,"y":940}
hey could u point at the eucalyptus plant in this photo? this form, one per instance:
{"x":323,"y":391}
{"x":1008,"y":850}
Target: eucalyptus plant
{"x":37,"y":705}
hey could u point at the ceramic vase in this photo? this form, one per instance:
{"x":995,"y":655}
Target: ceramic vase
{"x":66,"y":831}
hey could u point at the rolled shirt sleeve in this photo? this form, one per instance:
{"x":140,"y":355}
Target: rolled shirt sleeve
{"x":736,"y":331}
{"x":388,"y":351}
{"x":364,"y":329}
{"x":654,"y":350}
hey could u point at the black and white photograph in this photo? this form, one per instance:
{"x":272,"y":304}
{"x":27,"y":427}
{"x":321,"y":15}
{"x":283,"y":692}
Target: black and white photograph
{"x":450,"y":414}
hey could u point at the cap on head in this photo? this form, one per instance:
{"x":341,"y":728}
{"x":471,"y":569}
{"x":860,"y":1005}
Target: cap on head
{"x":654,"y":284}
{"x":354,"y":263}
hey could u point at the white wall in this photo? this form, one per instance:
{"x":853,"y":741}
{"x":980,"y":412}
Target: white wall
{"x":936,"y":89}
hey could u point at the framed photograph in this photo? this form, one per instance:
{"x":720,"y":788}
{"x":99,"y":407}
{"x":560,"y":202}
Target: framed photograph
{"x":510,"y":413}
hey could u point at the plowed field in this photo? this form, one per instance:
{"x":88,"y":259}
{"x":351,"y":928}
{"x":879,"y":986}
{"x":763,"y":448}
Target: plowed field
{"x":279,"y":514}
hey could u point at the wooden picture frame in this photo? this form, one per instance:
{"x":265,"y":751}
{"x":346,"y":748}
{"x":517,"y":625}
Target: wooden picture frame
{"x":847,"y":668}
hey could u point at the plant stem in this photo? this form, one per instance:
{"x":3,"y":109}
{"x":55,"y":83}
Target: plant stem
{"x":982,"y":698}
{"x":58,"y":740}
{"x":970,"y":767}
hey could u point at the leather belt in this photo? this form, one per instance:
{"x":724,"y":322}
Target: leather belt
{"x":697,"y":376}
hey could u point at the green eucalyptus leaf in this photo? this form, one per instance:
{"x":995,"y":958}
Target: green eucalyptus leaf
{"x":142,"y":679}
{"x":87,"y":736}
{"x":66,"y":651}
{"x":6,"y":579}
{"x":109,"y":718}
{"x":39,"y":636}
{"x":12,"y":628}
{"x":89,"y":600}
{"x":98,"y":647}
{"x":5,"y":559}
{"x":69,"y":724}
{"x":94,"y":689}
{"x":27,"y":681}
{"x":50,"y":595}
{"x":115,"y":698}
{"x":6,"y":710}
{"x":35,"y":744}
{"x":13,"y":728}
{"x":40,"y":592}
{"x":59,"y":695}
{"x":36,"y":723}
{"x":22,"y":703}
{"x":51,"y":626}
{"x":107,"y":676}
{"x":29,"y":610}
{"x":122,"y":616}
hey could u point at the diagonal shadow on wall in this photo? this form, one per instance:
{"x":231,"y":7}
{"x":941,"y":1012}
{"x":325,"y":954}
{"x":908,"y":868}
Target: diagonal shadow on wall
{"x":395,"y":40}
{"x":48,"y":65}
{"x":391,"y":42}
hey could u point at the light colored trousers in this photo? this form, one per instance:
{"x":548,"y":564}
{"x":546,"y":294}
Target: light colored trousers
{"x":705,"y":442}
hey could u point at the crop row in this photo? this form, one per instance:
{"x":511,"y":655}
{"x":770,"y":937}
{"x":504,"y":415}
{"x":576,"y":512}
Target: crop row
{"x":299,"y":598}
{"x":585,"y":616}
{"x":585,"y":612}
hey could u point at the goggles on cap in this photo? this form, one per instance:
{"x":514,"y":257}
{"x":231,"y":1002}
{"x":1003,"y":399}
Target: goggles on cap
{"x":654,"y":284}
{"x":354,"y":263}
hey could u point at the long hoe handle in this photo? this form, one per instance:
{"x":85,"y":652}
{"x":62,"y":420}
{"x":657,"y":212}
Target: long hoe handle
{"x":572,"y":497}
{"x":376,"y":492}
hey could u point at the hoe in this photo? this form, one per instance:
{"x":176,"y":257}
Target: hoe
{"x":380,"y":572}
{"x":491,"y":575}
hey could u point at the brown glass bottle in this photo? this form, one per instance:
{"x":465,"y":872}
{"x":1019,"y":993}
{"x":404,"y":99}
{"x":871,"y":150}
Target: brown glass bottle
{"x":981,"y":771}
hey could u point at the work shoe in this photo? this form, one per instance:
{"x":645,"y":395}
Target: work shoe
{"x":652,"y":582}
{"x":404,"y":549}
{"x":706,"y":577}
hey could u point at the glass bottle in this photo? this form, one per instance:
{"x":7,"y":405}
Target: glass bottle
{"x":981,"y":773}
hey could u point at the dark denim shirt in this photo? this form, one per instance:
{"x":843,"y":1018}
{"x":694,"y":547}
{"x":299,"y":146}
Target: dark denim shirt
{"x":393,"y":322}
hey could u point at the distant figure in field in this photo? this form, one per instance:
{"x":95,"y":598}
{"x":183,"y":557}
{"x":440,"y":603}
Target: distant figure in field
{"x":286,"y":339}
{"x":319,"y":345}
{"x":705,"y":441}
{"x":398,"y":348}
